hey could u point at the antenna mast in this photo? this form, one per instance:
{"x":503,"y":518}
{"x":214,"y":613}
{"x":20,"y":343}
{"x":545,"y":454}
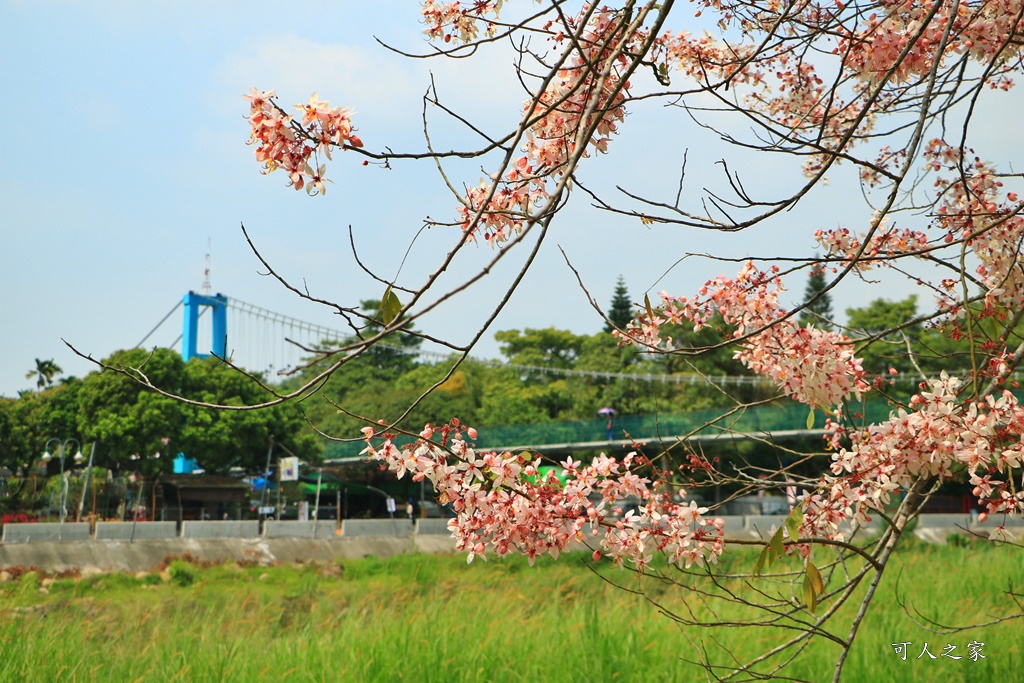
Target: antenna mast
{"x":207,"y":289}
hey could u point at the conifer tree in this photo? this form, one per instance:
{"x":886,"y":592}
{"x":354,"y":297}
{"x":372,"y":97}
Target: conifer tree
{"x":819,"y":312}
{"x":621,"y":310}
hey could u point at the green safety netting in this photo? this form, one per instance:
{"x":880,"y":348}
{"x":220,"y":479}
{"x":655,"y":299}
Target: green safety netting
{"x":775,"y":417}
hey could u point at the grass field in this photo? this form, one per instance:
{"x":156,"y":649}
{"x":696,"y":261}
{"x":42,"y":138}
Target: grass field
{"x":433,"y":618}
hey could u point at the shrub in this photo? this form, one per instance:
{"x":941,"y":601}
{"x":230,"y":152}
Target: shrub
{"x":182,"y":573}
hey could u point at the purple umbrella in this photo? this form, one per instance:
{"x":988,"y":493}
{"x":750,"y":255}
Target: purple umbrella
{"x":606,"y":411}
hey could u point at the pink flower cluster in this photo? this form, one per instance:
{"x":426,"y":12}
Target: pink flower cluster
{"x":281,"y":143}
{"x":814,"y":366}
{"x":884,"y":244}
{"x":980,"y":29}
{"x":503,"y":505}
{"x":833,"y":112}
{"x":780,"y":86}
{"x":586,"y":92}
{"x":975,"y":208}
{"x":451,"y":21}
{"x":706,"y":57}
{"x":938,"y":434}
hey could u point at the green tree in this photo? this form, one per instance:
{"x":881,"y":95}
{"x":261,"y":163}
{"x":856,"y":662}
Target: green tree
{"x":133,"y":424}
{"x":551,"y":395}
{"x":370,"y":385}
{"x":508,"y":400}
{"x":891,"y":350}
{"x":621,"y":310}
{"x":33,"y":419}
{"x":13,"y":453}
{"x":700,"y":351}
{"x":398,"y":353}
{"x":931,"y":348}
{"x":882,"y":314}
{"x":544,"y":348}
{"x":223,"y":439}
{"x":819,"y":311}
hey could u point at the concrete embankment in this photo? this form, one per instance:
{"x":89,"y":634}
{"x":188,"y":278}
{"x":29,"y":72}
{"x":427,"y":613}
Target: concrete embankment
{"x":139,"y":547}
{"x":143,"y":555}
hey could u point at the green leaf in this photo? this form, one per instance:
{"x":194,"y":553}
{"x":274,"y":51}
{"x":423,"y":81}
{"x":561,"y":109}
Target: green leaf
{"x":647,"y":305}
{"x":815,"y":578}
{"x":793,"y":522}
{"x":776,"y":545}
{"x":773,"y":550}
{"x":759,"y":565}
{"x":814,"y":586}
{"x":390,"y":307}
{"x":810,"y":598}
{"x":810,"y":419}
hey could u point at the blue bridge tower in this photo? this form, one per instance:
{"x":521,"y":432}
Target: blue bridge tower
{"x":219,"y":307}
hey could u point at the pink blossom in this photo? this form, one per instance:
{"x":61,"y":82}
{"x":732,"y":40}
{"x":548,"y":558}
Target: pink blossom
{"x":586,"y":93}
{"x":501,"y":509}
{"x":813,"y":366}
{"x":282,"y":143}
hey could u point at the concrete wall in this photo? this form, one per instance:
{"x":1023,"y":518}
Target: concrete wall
{"x":24,"y":544}
{"x":138,"y":531}
{"x":249,"y":528}
{"x":758,"y":526}
{"x":376,"y":527}
{"x":739,"y":508}
{"x":432,"y":527}
{"x":325,"y":528}
{"x":938,"y":528}
{"x":105,"y":556}
{"x":1014,"y":523}
{"x":46,"y":531}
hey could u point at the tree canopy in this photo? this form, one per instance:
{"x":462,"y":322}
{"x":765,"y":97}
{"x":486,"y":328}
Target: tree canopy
{"x":137,"y":428}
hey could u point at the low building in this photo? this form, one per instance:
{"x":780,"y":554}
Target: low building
{"x":201,"y":496}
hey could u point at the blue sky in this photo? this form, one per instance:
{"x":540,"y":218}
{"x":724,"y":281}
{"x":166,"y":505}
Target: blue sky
{"x":124,"y":155}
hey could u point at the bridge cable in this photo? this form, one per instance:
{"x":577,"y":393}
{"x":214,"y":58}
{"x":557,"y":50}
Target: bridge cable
{"x":326,"y":333}
{"x":162,"y":321}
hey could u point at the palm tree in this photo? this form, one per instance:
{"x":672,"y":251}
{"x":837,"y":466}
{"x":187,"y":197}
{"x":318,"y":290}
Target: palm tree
{"x":44,"y":372}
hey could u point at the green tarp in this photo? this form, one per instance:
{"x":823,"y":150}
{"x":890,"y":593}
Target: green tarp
{"x":328,"y":484}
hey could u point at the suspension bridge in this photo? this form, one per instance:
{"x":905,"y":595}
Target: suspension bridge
{"x":264,"y":341}
{"x":261,"y":340}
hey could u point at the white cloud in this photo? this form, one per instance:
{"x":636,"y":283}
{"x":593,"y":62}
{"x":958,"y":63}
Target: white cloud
{"x":381,"y":85}
{"x":344,"y":74}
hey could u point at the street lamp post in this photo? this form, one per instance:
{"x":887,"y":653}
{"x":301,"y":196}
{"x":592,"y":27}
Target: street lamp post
{"x":61,"y":454}
{"x":86,"y":483}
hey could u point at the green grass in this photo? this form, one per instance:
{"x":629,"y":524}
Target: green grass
{"x":433,"y":618}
